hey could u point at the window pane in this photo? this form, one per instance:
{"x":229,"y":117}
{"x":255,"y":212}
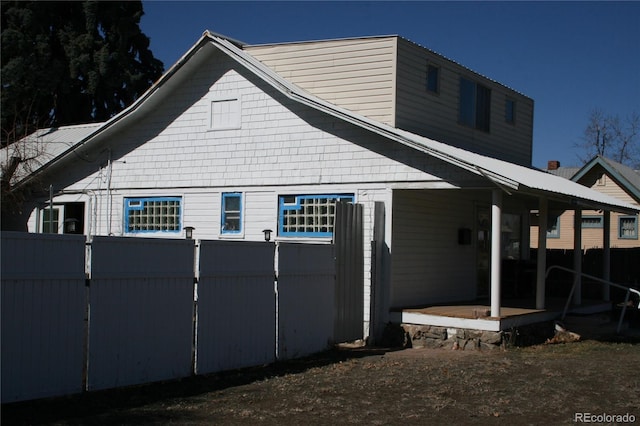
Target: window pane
{"x":483,"y":107}
{"x":433,"y":78}
{"x":152,"y":214}
{"x":231,"y":213}
{"x":628,"y":228}
{"x":510,"y":111}
{"x":467,"y":102}
{"x":232,"y":204}
{"x":592,"y":222}
{"x":49,"y":222}
{"x":310,"y":216}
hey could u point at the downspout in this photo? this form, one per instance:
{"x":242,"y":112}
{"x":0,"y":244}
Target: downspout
{"x":51,"y":209}
{"x":108,"y":209}
{"x":496,"y":255}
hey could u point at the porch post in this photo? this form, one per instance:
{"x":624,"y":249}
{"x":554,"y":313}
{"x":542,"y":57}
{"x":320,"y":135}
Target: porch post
{"x":606,"y":254}
{"x":496,"y":258}
{"x":577,"y":256}
{"x":543,"y":212}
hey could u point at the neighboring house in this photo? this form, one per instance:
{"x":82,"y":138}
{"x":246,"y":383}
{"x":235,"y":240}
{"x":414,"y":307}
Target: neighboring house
{"x":237,"y":139}
{"x":608,"y":177}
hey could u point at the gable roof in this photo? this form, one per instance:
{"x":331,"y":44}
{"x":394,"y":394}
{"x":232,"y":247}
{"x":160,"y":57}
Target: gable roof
{"x":563,"y":172}
{"x":628,"y":178}
{"x":508,"y":176}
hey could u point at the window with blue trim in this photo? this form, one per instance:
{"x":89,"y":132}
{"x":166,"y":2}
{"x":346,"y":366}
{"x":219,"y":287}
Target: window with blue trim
{"x":231,"y":213}
{"x":592,"y":222}
{"x":308,"y":215}
{"x":628,"y":227}
{"x":156,"y":214}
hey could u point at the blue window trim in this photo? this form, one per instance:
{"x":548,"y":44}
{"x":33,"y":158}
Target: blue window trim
{"x":223,"y":215}
{"x":631,"y":237}
{"x":555,"y":233}
{"x":588,"y":225}
{"x":282,"y":206}
{"x":128,"y":207}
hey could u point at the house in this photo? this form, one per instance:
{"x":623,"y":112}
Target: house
{"x":234,"y":140}
{"x":608,"y":177}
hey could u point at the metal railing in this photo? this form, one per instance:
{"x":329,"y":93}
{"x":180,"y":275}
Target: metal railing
{"x":629,"y":290}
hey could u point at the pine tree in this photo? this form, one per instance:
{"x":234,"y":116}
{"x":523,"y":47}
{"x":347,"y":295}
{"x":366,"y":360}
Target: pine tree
{"x":71,"y":62}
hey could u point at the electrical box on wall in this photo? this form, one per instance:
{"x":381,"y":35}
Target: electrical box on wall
{"x":464,"y":236}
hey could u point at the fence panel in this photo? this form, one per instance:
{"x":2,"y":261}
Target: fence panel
{"x":141,"y":311}
{"x":306,"y":286}
{"x":236,"y":305}
{"x":43,"y":311}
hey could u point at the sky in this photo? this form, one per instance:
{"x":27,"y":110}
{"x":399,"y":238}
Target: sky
{"x":569,"y":57}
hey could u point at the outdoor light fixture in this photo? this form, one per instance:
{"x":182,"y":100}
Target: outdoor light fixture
{"x":188,"y":232}
{"x":267,"y":234}
{"x":71,"y":226}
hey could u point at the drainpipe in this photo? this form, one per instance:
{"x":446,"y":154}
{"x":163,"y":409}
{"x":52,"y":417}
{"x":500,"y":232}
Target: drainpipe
{"x":543,"y":212}
{"x":108,"y":209}
{"x":496,"y":258}
{"x":51,"y":209}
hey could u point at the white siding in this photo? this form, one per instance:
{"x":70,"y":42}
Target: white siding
{"x":280,"y":145}
{"x":428,"y":264}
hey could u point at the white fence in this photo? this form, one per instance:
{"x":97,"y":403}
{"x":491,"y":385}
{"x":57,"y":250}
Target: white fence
{"x":43,"y":312}
{"x":141,"y":311}
{"x":236,"y":306}
{"x":144,"y":317}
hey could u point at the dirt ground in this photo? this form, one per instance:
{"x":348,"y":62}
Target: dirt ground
{"x":544,"y":384}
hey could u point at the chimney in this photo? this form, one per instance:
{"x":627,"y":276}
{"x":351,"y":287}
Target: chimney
{"x":553,"y":165}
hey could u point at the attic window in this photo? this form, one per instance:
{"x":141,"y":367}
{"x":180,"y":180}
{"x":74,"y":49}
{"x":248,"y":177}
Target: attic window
{"x":225,"y":114}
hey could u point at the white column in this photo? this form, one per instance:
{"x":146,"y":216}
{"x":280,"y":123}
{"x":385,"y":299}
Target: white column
{"x":606,"y":254}
{"x":496,"y":256}
{"x":543,"y":213}
{"x":577,"y":256}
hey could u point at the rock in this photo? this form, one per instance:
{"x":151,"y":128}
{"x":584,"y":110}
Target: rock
{"x":564,"y":337}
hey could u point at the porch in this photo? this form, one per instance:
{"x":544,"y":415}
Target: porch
{"x":476,"y":315}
